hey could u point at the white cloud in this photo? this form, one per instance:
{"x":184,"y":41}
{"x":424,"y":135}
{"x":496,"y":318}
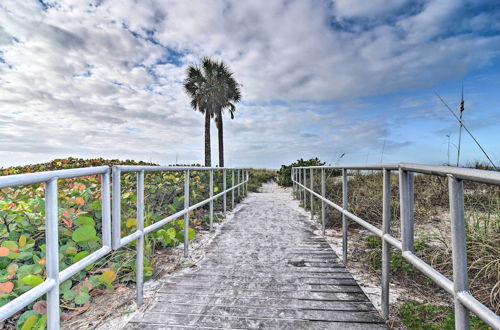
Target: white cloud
{"x":104,"y":78}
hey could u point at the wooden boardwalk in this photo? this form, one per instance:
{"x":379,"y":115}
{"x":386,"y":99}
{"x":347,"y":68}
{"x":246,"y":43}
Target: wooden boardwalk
{"x":266,"y":270}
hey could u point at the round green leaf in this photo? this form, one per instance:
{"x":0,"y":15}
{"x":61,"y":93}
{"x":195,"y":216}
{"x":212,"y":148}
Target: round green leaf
{"x":81,"y":221}
{"x":32,"y":280}
{"x":80,"y":255}
{"x":84,"y":234}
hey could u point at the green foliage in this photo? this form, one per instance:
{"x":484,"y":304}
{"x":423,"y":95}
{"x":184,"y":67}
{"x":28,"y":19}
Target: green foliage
{"x":285,"y":172}
{"x":417,"y":315}
{"x":398,"y":265}
{"x":22,"y":232}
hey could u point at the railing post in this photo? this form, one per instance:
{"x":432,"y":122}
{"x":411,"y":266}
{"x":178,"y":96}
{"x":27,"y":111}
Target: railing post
{"x":247,"y":178}
{"x":52,"y":246}
{"x":116,"y":221}
{"x":406,"y":208}
{"x":304,"y":189}
{"x":296,"y":180}
{"x":297,"y":188}
{"x":345,"y":205}
{"x":232,"y":190}
{"x":211,"y":200}
{"x":186,"y":215}
{"x":323,"y":194}
{"x":106,"y":212}
{"x":292,"y":175}
{"x":140,"y":241}
{"x":224,"y":188}
{"x":239,"y":181}
{"x":459,"y":250}
{"x":311,"y":173}
{"x":386,"y":249}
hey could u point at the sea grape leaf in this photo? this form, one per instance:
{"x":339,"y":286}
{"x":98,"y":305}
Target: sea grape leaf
{"x":32,"y":280}
{"x":81,"y":221}
{"x":84,"y":234}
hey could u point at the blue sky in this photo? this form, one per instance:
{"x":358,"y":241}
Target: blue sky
{"x":319,"y":78}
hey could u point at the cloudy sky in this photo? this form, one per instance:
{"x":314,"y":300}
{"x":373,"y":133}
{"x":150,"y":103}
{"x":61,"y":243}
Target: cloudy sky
{"x":319,"y":78}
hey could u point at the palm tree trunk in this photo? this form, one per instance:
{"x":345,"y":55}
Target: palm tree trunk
{"x":221,"y":138}
{"x":208,"y":156}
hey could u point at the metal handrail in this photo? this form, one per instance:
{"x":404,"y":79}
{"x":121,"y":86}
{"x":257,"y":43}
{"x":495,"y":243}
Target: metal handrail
{"x":54,"y":277}
{"x":118,"y":241}
{"x":463,"y":300}
{"x":110,"y":228}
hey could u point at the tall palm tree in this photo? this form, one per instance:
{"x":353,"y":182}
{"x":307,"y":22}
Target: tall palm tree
{"x":198,"y":86}
{"x":228,"y":94}
{"x":212,"y":89}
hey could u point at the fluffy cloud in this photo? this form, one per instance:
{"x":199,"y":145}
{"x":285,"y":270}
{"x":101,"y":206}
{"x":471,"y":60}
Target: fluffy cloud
{"x":104,"y":78}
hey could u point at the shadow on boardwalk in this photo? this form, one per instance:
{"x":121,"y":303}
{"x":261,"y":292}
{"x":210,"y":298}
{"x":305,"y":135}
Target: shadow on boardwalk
{"x":266,"y":270}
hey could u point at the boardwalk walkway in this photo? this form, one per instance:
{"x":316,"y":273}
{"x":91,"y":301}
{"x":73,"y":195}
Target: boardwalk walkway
{"x":266,"y":270}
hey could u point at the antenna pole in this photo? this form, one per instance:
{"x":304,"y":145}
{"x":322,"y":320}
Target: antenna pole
{"x":467,"y":130}
{"x":462,"y":108}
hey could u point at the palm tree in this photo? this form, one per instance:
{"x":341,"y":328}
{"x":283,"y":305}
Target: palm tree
{"x":229,"y":94}
{"x":197,"y":86}
{"x":212,"y":89}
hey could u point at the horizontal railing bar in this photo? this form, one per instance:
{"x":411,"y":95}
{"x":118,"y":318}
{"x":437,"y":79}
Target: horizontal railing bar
{"x":25,"y":299}
{"x":130,"y":238}
{"x":353,"y":167}
{"x":148,"y":168}
{"x":88,"y":260}
{"x":430,"y":272}
{"x":471,"y":174}
{"x":38,"y":177}
{"x":393,"y":241}
{"x":479,"y":309}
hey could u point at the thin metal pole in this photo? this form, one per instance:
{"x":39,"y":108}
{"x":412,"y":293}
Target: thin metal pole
{"x":247,"y":176}
{"x":293,"y":181}
{"x":106,"y":212}
{"x":52,"y":246}
{"x":211,"y":200}
{"x":239,"y":181}
{"x":459,"y":250}
{"x":345,"y":205}
{"x":232,"y":191}
{"x":140,"y":241}
{"x":298,"y":192}
{"x":116,"y":218}
{"x":304,"y":189}
{"x":186,"y":215}
{"x":386,"y":249}
{"x":323,"y":194}
{"x":312,"y":189}
{"x":224,"y":188}
{"x":406,"y":201}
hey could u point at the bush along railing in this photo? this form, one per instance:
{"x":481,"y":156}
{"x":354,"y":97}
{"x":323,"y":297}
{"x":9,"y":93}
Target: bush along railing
{"x":303,"y":185}
{"x":111,"y":228}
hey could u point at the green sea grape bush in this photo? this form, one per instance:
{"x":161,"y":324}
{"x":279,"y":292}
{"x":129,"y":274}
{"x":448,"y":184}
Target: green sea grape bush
{"x":285,"y":172}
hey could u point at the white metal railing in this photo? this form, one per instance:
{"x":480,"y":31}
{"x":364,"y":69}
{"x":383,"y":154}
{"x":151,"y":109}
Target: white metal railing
{"x":464,"y":301}
{"x":118,"y":241}
{"x":111,"y":239}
